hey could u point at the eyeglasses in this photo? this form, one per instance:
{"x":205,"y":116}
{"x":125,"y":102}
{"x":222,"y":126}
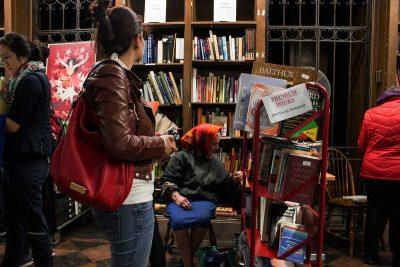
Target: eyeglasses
{"x":5,"y":58}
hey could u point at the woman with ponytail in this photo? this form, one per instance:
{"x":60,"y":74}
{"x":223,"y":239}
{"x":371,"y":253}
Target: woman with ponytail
{"x":26,"y":151}
{"x":127,"y":127}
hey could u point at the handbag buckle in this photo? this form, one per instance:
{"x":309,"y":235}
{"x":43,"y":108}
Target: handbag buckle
{"x":77,"y":188}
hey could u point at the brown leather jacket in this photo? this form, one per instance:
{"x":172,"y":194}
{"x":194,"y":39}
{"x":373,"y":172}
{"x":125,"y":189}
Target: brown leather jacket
{"x":115,"y":102}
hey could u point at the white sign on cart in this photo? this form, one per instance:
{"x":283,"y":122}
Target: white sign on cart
{"x":288,"y":103}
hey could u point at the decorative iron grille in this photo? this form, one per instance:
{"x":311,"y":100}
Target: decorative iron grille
{"x":59,"y":21}
{"x":333,"y":36}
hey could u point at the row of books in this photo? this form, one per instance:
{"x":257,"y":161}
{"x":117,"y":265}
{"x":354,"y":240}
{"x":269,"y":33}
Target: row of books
{"x":166,"y":49}
{"x":162,"y":87}
{"x":225,"y":47}
{"x":223,"y":119}
{"x":285,"y":166}
{"x":232,"y":159}
{"x":214,"y":88}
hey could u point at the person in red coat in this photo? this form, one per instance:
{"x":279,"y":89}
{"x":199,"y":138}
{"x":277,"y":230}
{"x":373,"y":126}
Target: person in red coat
{"x":379,"y":139}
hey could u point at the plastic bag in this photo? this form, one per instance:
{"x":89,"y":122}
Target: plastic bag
{"x":211,"y":257}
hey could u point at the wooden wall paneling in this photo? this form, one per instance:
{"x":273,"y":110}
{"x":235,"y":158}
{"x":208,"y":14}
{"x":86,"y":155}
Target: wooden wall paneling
{"x":18,"y":17}
{"x":384,"y":23}
{"x":393,"y":24}
{"x":187,"y":69}
{"x":259,"y":15}
{"x":120,"y":3}
{"x":8,"y":15}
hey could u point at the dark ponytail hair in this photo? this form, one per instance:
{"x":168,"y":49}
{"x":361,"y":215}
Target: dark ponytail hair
{"x":39,"y":51}
{"x":23,"y":48}
{"x":117,"y":27}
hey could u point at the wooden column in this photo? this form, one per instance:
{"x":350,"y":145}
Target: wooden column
{"x":120,"y":3}
{"x":393,"y":22}
{"x":383,"y":46}
{"x":18,"y":17}
{"x":187,"y":69}
{"x":260,"y":29}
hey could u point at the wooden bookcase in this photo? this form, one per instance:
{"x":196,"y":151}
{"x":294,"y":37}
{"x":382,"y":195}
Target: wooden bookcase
{"x":190,"y":17}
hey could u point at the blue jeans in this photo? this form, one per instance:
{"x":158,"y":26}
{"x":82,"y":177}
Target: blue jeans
{"x":130,"y":232}
{"x":24,"y":217}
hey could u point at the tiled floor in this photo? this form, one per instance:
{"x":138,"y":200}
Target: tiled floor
{"x":86,"y":246}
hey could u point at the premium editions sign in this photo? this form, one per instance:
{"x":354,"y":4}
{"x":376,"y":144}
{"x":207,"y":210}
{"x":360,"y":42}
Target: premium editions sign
{"x":288,"y":103}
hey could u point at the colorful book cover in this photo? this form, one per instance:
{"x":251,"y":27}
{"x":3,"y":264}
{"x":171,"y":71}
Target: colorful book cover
{"x":68,"y":65}
{"x":245,"y":84}
{"x":290,"y":238}
{"x":258,"y":91}
{"x":298,"y":170}
{"x":221,"y":121}
{"x":310,"y":131}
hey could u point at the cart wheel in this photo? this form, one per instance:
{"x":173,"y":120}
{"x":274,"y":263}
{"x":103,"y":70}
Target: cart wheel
{"x":55,"y":238}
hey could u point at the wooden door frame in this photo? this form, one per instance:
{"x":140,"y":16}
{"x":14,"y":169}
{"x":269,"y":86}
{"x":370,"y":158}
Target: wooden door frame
{"x":384,"y":24}
{"x":18,"y":17}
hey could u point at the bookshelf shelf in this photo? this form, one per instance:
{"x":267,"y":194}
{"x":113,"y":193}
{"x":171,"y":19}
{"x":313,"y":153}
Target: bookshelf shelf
{"x":171,"y":106}
{"x":263,"y":192}
{"x":162,"y":25}
{"x":212,"y":104}
{"x":261,"y":248}
{"x":229,"y":138}
{"x":157,"y":65}
{"x":246,"y":63}
{"x":234,"y":24}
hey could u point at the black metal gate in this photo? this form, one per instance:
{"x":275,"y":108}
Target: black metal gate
{"x":58,"y":21}
{"x":333,"y":36}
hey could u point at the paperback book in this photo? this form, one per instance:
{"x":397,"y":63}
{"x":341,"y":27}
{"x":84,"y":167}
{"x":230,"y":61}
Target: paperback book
{"x":246,"y":82}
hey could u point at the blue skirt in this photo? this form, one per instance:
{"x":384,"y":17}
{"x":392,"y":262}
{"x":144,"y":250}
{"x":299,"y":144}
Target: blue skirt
{"x":198,"y":217}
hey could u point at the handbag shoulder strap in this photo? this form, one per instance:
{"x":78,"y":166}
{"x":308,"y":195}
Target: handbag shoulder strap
{"x":82,"y":92}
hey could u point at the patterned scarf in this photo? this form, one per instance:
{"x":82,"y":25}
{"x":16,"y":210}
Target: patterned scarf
{"x":9,"y":90}
{"x":200,"y":139}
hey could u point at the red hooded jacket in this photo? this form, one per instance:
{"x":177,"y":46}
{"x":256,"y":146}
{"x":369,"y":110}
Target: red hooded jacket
{"x":380,"y":139}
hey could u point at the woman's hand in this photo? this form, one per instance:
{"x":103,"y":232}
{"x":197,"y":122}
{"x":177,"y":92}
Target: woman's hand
{"x":170,"y":146}
{"x":181,"y":201}
{"x":238,"y":176}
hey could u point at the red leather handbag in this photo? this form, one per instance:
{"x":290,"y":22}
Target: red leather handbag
{"x":82,"y":169}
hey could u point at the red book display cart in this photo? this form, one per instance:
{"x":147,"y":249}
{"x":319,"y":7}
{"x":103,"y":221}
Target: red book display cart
{"x":315,"y":239}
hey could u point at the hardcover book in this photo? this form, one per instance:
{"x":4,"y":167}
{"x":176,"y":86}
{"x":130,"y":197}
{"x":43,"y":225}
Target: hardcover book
{"x":258,"y":91}
{"x":221,"y":121}
{"x":246,"y":82}
{"x":290,"y":238}
{"x":298,"y":170}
